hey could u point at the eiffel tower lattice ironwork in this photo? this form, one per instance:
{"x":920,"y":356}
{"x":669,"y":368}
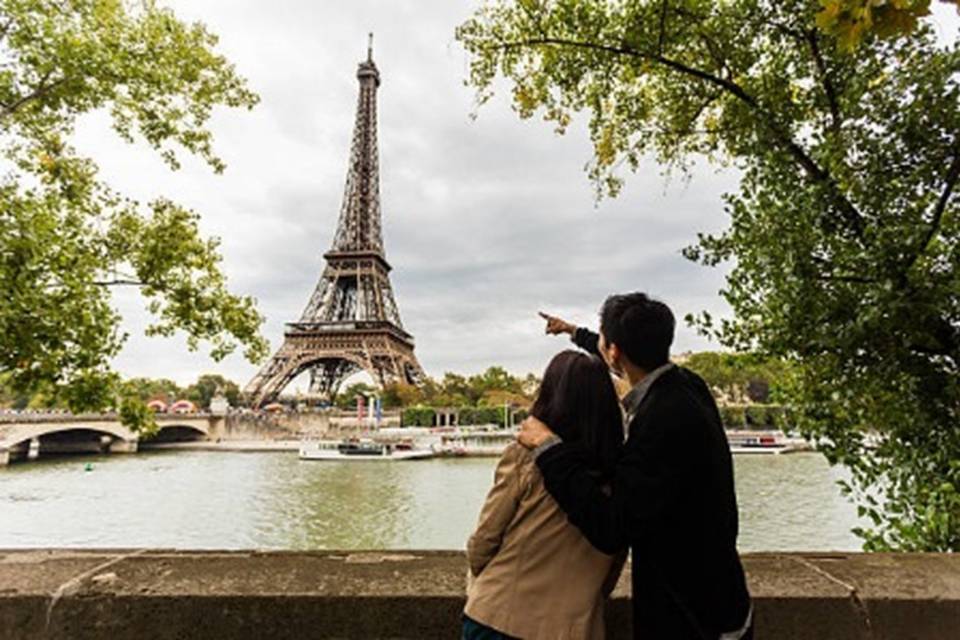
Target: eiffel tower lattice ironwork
{"x":352,"y":322}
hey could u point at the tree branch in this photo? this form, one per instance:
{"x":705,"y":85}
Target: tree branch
{"x":950,"y":181}
{"x":953,"y":174}
{"x":715,"y":53}
{"x":825,"y":81}
{"x":663,"y":25}
{"x":813,"y":170}
{"x":42,"y":89}
{"x":829,"y":277}
{"x":118,"y":282}
{"x":689,"y":129}
{"x":5,"y":29}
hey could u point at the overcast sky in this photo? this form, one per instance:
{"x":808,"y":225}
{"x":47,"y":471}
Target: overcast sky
{"x":485,"y":221}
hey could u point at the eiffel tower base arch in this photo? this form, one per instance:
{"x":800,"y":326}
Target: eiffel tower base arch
{"x":331,"y":357}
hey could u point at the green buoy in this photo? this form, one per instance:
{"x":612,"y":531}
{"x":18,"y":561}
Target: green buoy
{"x":88,"y":467}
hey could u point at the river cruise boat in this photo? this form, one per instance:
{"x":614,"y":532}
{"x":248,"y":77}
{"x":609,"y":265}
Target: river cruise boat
{"x":360,"y":450}
{"x":475,"y":443}
{"x":456,"y":441}
{"x":770,"y":442}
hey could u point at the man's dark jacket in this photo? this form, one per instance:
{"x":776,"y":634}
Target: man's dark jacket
{"x":672,"y":501}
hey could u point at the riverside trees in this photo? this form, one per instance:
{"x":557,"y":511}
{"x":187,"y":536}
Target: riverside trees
{"x":66,"y":238}
{"x":845,"y":233}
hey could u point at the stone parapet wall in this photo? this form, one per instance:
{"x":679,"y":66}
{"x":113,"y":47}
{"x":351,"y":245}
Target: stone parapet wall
{"x":267,"y":426}
{"x":144,"y":594}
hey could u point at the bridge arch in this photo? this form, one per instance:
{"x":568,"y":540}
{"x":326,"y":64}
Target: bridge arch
{"x":40,"y":438}
{"x":18,"y":434}
{"x":181,"y":431}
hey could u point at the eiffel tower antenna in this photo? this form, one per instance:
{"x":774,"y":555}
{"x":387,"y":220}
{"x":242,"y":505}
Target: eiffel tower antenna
{"x":351,"y":322}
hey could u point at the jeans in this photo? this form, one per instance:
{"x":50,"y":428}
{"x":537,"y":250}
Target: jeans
{"x":473,"y":630}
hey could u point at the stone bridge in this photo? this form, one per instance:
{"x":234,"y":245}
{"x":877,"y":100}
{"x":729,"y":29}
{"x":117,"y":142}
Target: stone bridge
{"x":32,"y":435}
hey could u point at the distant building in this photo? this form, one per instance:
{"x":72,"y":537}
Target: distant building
{"x":183,"y":406}
{"x":157,"y":406}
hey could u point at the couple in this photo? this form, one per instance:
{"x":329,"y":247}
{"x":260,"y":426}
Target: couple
{"x":587,"y":481}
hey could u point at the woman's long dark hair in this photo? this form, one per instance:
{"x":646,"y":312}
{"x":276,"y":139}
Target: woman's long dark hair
{"x":578,"y":402}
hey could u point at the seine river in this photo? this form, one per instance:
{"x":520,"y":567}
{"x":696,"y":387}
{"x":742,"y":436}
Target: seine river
{"x":196,"y":500}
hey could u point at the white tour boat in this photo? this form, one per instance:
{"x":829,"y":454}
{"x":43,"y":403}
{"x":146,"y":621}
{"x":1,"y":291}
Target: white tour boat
{"x":359,"y":450}
{"x":485,"y":440}
{"x":774,"y":442}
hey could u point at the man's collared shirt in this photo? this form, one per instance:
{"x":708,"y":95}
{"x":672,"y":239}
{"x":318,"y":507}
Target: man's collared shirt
{"x":634,"y":398}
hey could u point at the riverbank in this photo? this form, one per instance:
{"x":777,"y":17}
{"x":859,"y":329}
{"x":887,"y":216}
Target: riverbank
{"x":251,"y":446}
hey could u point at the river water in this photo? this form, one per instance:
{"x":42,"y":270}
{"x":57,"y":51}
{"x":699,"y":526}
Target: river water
{"x":226,"y":500}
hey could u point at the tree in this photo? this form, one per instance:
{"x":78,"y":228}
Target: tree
{"x":496,"y":379}
{"x":347,"y":398}
{"x":850,"y":21}
{"x":401,"y":394}
{"x":492,"y":387}
{"x":146,"y":389}
{"x":208,"y":385}
{"x":736,"y":375}
{"x":10,"y":399}
{"x":845,"y":233}
{"x":501,"y":397}
{"x":457,"y":390}
{"x":66,"y":239}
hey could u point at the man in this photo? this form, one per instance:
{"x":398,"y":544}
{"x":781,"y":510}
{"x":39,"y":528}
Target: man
{"x":672,"y":498}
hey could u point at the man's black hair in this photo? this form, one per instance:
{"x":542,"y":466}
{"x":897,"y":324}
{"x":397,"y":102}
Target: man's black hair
{"x":641,"y":327}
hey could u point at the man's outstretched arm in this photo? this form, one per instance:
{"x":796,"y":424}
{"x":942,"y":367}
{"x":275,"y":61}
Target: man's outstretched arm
{"x":586,"y":340}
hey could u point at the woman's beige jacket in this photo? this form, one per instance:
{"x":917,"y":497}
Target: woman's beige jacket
{"x":535,"y":575}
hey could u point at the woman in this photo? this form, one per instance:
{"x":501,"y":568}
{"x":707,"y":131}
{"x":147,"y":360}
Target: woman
{"x":533,"y":574}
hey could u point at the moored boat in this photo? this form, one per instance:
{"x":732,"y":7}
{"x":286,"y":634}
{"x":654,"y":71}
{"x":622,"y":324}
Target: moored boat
{"x":475,"y":443}
{"x":769,"y":442}
{"x":456,"y":441}
{"x":359,"y":450}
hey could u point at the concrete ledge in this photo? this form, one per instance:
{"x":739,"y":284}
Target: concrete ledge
{"x":141,"y":594}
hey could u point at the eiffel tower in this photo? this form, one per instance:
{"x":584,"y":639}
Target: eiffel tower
{"x":352,"y":322}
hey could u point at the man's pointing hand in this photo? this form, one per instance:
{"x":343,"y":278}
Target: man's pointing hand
{"x":556,"y":326}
